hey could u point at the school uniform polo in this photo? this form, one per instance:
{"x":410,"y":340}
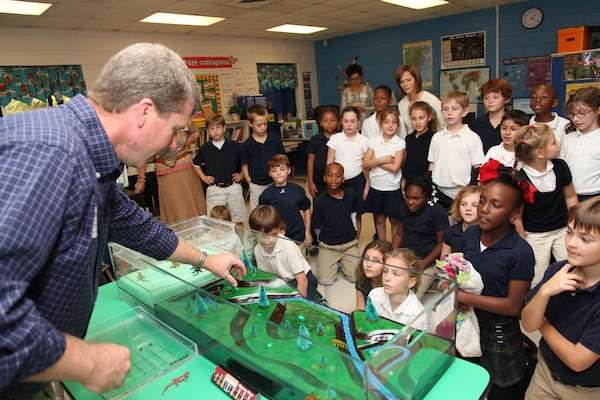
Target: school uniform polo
{"x":256,"y":155}
{"x":417,"y":149}
{"x":284,"y":261}
{"x":349,"y":152}
{"x":558,"y":125}
{"x":576,"y":316}
{"x":410,"y":308}
{"x":453,"y":236}
{"x":381,"y":179}
{"x":549,"y":209}
{"x":335,"y":217}
{"x":580,"y":151}
{"x":318,"y":146}
{"x":499,"y":153}
{"x":421,"y":226}
{"x":289,"y":200}
{"x":489,"y":135}
{"x":371,"y":127}
{"x":454,"y":155}
{"x":511,"y":258}
{"x":220,"y":163}
{"x":365,"y":288}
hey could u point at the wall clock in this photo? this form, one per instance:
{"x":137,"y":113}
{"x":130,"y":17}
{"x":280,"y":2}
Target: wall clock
{"x":532,"y":18}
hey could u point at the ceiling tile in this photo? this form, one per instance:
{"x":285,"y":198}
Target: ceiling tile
{"x":342,"y":17}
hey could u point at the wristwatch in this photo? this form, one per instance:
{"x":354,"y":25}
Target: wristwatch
{"x":197,"y":268}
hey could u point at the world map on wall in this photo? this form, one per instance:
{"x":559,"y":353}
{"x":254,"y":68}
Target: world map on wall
{"x":468,"y":80}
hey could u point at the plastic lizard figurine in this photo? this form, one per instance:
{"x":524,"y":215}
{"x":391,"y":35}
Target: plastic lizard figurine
{"x":177,"y":381}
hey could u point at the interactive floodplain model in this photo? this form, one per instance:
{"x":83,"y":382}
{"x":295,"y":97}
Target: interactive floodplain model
{"x":274,"y":341}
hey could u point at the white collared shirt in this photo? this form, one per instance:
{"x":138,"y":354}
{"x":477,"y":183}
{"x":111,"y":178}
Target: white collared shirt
{"x":453,"y":156}
{"x":371,"y":127}
{"x":406,"y":312}
{"x":284,"y":261}
{"x":544,"y":181}
{"x":349,"y":152}
{"x":581,"y":151}
{"x":558,"y":125}
{"x":381,"y":179}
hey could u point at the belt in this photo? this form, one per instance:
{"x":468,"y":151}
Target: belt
{"x":556,"y":377}
{"x":170,"y":162}
{"x":223,"y":184}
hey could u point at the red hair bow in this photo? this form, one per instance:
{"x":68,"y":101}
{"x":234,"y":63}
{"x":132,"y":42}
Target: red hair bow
{"x":491,"y":169}
{"x":528,"y":191}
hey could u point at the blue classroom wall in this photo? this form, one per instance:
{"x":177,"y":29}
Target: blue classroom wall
{"x":380,"y":51}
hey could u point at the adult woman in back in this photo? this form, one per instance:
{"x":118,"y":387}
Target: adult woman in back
{"x":357,"y":94}
{"x":410,"y":83}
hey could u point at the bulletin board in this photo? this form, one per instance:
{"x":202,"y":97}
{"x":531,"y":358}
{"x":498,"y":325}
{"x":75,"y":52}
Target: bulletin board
{"x":571,"y":71}
{"x":211,"y":98}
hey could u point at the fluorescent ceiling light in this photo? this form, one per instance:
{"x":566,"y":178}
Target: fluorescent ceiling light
{"x":300,"y":29}
{"x":181,"y":19}
{"x":416,"y":4}
{"x":23,"y":7}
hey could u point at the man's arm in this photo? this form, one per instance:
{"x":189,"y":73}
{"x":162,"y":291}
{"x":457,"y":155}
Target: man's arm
{"x":100,"y":367}
{"x":221,"y":265}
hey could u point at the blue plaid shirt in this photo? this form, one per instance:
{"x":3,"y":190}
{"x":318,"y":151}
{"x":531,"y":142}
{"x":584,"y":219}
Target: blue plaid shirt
{"x":59,"y":205}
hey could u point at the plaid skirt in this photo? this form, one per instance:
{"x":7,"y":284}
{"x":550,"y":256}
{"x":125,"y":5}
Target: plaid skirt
{"x":502,"y":350}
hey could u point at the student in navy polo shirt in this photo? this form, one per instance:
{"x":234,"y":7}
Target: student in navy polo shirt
{"x":565,"y":308}
{"x":221,"y":158}
{"x":505,"y":262}
{"x":256,"y":151}
{"x":337,"y":215}
{"x":289,"y":199}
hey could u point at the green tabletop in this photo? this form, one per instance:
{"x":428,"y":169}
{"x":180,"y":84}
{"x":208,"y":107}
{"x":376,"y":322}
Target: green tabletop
{"x":200,"y":369}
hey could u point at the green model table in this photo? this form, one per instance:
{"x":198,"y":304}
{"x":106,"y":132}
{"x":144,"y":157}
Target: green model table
{"x":200,"y":370}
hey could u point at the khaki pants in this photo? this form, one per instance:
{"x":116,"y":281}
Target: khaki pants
{"x":255,"y":192}
{"x":543,"y":387}
{"x":329,"y":255}
{"x":544,"y":243}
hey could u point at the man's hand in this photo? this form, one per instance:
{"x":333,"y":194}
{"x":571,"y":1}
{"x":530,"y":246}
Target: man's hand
{"x":223,"y":265}
{"x":110,"y":365}
{"x":100,"y":367}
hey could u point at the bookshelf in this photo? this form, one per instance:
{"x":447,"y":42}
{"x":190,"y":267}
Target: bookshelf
{"x":237,"y":131}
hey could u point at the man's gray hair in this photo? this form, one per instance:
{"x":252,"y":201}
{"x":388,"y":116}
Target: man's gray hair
{"x":145,"y":70}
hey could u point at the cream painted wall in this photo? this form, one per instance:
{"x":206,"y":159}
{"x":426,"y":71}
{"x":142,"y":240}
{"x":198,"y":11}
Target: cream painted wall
{"x":91,"y":49}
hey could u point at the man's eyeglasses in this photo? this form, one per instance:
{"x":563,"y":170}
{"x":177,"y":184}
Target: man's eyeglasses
{"x":579,"y":114}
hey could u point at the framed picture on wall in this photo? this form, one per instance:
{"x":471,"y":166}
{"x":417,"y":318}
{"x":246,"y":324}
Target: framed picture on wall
{"x":309,"y":128}
{"x":250,"y":82}
{"x":468,"y":80}
{"x":420,"y":54}
{"x":226,"y":82}
{"x":464,"y":50}
{"x":238,"y":76}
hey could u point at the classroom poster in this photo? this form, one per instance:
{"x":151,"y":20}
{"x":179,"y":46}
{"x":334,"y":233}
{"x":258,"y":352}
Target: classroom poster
{"x":525,"y":73}
{"x":210,"y":98}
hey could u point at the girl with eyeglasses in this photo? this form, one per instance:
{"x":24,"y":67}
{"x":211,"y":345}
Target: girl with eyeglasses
{"x":582,"y":141}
